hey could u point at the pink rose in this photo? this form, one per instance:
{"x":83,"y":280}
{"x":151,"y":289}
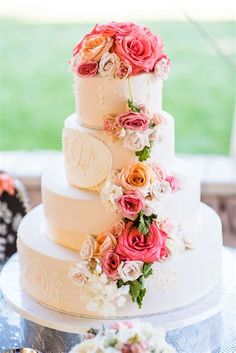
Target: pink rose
{"x":87,"y":69}
{"x":110,"y":263}
{"x":132,"y":245}
{"x":133,"y":121}
{"x":124,"y":70}
{"x":6,"y":184}
{"x":141,"y":48}
{"x":130,"y":204}
{"x":174,"y":183}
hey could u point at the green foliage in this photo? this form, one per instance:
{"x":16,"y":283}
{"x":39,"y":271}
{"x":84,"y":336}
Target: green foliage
{"x":133,"y":106}
{"x":144,"y":222}
{"x":144,"y":154}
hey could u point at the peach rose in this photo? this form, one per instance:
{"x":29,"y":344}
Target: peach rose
{"x":94,"y":46}
{"x":105,"y":242}
{"x":138,"y":176}
{"x":118,"y":228}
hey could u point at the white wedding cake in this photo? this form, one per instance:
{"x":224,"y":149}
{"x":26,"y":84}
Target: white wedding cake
{"x":121,"y":232}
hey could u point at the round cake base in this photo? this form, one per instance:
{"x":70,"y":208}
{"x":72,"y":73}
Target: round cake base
{"x":36,"y":313}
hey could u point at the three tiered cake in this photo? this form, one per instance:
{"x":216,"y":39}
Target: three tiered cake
{"x":121,"y":232}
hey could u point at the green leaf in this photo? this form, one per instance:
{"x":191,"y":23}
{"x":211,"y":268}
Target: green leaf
{"x":147,"y":270}
{"x":142,"y":293}
{"x":133,"y":106}
{"x":144,"y":154}
{"x":94,"y":331}
{"x":120,"y":283}
{"x":143,"y":222}
{"x":134,"y":291}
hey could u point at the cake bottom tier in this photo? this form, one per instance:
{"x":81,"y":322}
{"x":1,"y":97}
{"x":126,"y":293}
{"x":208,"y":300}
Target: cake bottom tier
{"x":176,"y":283}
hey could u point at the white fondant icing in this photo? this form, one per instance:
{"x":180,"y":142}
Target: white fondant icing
{"x":88,"y":161}
{"x":188,"y":282}
{"x":97,"y":96}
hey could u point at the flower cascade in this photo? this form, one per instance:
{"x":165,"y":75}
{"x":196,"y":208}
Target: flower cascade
{"x":136,"y":128}
{"x":119,"y":50}
{"x":126,"y":337}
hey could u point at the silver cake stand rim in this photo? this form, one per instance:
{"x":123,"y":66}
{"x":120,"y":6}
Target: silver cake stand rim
{"x":30,"y":310}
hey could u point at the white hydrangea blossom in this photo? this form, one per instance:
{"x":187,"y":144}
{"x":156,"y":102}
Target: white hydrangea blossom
{"x":103,"y":295}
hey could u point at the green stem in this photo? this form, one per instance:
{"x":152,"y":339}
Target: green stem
{"x":130,"y":92}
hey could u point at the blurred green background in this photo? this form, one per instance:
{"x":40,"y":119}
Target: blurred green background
{"x":36,"y":93}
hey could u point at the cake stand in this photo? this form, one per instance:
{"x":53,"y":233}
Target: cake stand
{"x":53,"y":332}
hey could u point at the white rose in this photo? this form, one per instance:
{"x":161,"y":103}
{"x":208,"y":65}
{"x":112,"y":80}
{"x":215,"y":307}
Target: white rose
{"x":109,"y":193}
{"x":150,"y":208}
{"x":79,"y":274}
{"x":88,"y":248}
{"x":156,"y":190}
{"x":136,"y":141}
{"x":130,"y":270}
{"x":108,"y":64}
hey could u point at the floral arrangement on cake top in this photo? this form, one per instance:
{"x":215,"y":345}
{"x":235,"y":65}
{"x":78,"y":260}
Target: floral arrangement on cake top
{"x":115,"y":264}
{"x":126,"y":337}
{"x":136,"y":128}
{"x":119,"y":50}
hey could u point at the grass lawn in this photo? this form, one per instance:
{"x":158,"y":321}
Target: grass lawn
{"x":36,"y":94}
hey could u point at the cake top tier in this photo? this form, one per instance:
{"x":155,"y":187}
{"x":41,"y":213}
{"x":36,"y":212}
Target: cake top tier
{"x":119,"y":49}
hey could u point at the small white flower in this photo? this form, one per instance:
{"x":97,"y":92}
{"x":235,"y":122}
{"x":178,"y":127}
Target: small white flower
{"x":80,"y":273}
{"x":136,"y":141}
{"x":121,"y":301}
{"x":130,"y":270}
{"x":162,"y":68}
{"x":108,"y":64}
{"x":150,"y":208}
{"x":109,"y":193}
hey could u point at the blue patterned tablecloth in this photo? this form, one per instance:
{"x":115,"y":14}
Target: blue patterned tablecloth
{"x":214,"y":335}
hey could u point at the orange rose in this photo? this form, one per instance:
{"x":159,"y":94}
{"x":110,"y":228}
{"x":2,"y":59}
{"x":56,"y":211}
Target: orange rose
{"x":104,"y":243}
{"x":95,"y":46}
{"x":138,"y":177}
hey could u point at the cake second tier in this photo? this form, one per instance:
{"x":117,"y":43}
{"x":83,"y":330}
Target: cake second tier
{"x":91,"y":154}
{"x":71,"y":214}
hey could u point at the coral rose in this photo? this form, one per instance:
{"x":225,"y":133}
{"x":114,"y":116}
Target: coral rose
{"x":110,"y":263}
{"x":133,"y":120}
{"x":87,"y":69}
{"x":138,"y":176}
{"x":94,"y":46}
{"x":140,"y":48}
{"x":132,"y":245}
{"x":130,"y":204}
